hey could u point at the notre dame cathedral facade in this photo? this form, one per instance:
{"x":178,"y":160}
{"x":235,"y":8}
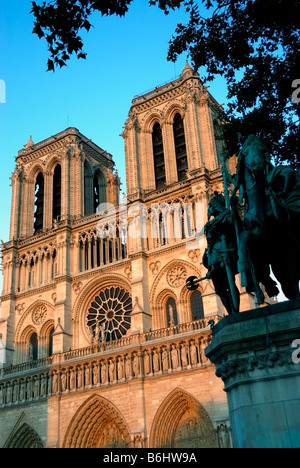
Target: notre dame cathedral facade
{"x":102,"y":344}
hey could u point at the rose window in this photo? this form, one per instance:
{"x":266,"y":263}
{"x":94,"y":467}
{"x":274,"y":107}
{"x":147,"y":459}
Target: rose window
{"x":109,"y":315}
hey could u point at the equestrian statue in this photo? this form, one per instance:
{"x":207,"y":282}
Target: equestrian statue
{"x":256,"y":233}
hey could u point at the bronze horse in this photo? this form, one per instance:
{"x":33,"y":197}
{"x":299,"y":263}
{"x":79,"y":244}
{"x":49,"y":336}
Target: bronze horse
{"x":270,"y":236}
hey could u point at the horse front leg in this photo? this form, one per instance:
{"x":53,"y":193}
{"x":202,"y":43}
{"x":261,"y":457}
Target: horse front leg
{"x":244,"y":263}
{"x":246,"y":266}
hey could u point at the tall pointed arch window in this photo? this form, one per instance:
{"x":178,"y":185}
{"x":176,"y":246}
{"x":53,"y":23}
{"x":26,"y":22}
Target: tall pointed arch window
{"x":39,"y":204}
{"x":33,"y":348}
{"x":99,"y":189}
{"x":57,"y":193}
{"x":96,"y":190}
{"x":88,"y":190}
{"x":50,"y":344}
{"x":180,"y":147}
{"x":158,"y":155}
{"x":197,"y":306}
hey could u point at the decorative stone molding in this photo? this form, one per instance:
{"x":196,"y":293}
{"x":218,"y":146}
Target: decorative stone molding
{"x":20,"y":308}
{"x":154,"y":267}
{"x":236,"y":369}
{"x":177,"y":276}
{"x":77,"y":287}
{"x":39,"y":314}
{"x":24,"y":437}
{"x":189,"y":425}
{"x":98,"y":416}
{"x":128,"y":272}
{"x":194,"y":255}
{"x":132,"y":357}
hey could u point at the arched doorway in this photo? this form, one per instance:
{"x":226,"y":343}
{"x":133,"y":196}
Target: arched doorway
{"x":182,"y":422}
{"x":97,"y":424}
{"x":25,"y":437}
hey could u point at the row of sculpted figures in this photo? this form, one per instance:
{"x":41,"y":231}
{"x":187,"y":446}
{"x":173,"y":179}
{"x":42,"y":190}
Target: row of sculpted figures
{"x":152,"y":361}
{"x":256,"y":233}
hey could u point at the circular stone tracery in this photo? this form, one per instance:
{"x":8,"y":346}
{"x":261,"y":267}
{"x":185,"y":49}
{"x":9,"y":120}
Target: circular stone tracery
{"x":177,"y":276}
{"x":39,"y":314}
{"x":109,"y":315}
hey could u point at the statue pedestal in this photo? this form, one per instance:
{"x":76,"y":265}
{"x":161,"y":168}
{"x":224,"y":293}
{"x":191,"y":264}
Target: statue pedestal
{"x":257,"y":355}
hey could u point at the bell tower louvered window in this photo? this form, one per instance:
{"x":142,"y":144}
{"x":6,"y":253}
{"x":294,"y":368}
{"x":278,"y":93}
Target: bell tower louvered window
{"x":39,"y":204}
{"x":99,"y":190}
{"x":57,"y":193}
{"x":158,"y":154}
{"x":96,"y":193}
{"x":180,"y":147}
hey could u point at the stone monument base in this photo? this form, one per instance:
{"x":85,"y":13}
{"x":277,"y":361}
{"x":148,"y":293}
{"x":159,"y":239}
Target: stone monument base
{"x":257,"y":355}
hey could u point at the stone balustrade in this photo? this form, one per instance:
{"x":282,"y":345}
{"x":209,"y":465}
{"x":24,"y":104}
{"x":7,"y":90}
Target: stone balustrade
{"x":174,"y":349}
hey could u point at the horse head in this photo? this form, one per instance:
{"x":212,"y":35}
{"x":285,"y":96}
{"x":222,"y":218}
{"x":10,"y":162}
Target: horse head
{"x":256,"y":153}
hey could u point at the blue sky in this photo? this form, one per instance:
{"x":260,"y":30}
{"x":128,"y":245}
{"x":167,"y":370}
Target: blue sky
{"x":126,"y":56}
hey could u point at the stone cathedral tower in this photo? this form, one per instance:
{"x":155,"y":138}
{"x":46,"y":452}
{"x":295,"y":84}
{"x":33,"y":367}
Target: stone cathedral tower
{"x":102,"y":344}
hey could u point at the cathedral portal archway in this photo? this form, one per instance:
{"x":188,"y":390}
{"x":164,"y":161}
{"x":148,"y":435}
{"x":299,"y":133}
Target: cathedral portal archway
{"x":97,"y":424}
{"x":182,"y":422}
{"x":25,"y":437}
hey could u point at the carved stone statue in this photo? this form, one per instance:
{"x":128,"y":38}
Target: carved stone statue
{"x":184,"y":356}
{"x":147,"y":368}
{"x":111,"y":370}
{"x":103,"y":372}
{"x":120,"y":368}
{"x":174,"y":356}
{"x":171,"y":316}
{"x":165,"y":359}
{"x":136,"y":365}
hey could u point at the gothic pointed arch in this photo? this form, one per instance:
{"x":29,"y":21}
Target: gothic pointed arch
{"x":88,"y":188}
{"x":182,"y":422}
{"x":180,"y":147}
{"x":171,"y":277}
{"x":33,"y":170}
{"x":52,"y":162}
{"x":165,"y":299}
{"x":97,"y":424}
{"x":99,"y":189}
{"x":156,"y":116}
{"x":193,"y":301}
{"x":36,"y":317}
{"x":46,"y":338}
{"x":171,"y":110}
{"x":33,"y":334}
{"x":27,"y":347}
{"x":25,"y":437}
{"x":158,"y":156}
